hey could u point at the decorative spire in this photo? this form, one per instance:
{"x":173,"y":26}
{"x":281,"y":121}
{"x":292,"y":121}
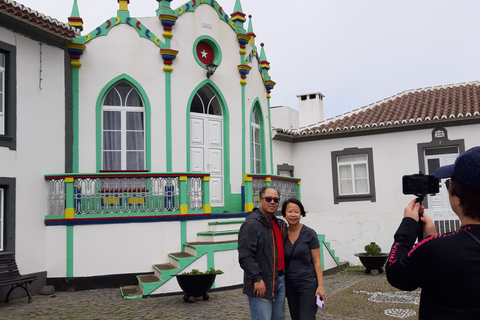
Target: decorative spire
{"x":250,"y":30}
{"x":74,"y":20}
{"x":269,"y":84}
{"x":238,"y":17}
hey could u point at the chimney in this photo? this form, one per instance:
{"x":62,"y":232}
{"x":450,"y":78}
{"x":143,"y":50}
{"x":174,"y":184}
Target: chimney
{"x":310,"y":108}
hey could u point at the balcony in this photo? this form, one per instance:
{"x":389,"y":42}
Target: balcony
{"x":117,"y":194}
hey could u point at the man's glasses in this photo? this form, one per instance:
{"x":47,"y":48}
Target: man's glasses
{"x":269,"y":199}
{"x":447,"y":184}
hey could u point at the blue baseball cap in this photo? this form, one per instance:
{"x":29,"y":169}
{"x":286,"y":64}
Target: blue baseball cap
{"x":466,"y":169}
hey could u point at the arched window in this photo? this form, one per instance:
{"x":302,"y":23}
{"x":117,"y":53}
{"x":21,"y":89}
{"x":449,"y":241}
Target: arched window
{"x":123,"y":129}
{"x":256,"y":142}
{"x":206,"y":102}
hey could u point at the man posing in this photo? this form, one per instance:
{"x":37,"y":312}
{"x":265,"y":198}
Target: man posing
{"x":261,"y":256}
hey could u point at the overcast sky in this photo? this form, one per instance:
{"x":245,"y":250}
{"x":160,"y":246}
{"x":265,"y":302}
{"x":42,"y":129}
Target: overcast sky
{"x":355,"y":52}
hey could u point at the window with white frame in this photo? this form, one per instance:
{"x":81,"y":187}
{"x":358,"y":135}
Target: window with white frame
{"x":353,"y":177}
{"x":352,"y":174}
{"x":123,"y":129}
{"x":256,"y":143}
{"x":2,"y":93}
{"x":2,"y":219}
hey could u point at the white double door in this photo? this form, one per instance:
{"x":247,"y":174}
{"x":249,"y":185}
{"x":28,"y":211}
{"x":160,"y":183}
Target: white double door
{"x":439,"y":204}
{"x":206,"y":152}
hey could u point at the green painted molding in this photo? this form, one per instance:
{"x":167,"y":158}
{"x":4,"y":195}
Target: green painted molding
{"x":122,"y":18}
{"x":146,"y":102}
{"x":69,"y":262}
{"x":76,"y":119}
{"x":256,"y":104}
{"x":190,"y":7}
{"x":217,"y":51}
{"x":270,"y":136}
{"x":168,"y":120}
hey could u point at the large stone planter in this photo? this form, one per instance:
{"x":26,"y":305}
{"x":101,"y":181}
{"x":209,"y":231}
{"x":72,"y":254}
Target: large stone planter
{"x":195,"y":285}
{"x":372,"y":263}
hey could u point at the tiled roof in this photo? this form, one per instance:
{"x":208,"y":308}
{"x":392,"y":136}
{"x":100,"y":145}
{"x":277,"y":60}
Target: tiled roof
{"x":22,"y":13}
{"x":449,"y":102}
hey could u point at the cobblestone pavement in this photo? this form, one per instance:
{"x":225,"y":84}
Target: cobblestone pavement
{"x":351,"y":294}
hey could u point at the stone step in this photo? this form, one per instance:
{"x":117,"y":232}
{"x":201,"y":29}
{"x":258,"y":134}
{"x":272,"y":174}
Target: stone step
{"x":148,"y":283}
{"x":225,"y":225}
{"x":131,"y":292}
{"x":217,"y":236}
{"x":181,"y":259}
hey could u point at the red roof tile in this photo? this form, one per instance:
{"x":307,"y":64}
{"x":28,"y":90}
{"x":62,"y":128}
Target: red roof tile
{"x":30,"y":16}
{"x":449,"y":102}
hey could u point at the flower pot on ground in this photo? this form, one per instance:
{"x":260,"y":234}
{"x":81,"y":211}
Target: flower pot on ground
{"x":373,"y":259}
{"x":196,"y":284}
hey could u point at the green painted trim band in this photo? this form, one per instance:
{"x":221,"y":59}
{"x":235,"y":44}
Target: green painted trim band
{"x":183,"y":234}
{"x":76,"y":120}
{"x":168,"y":119}
{"x":69,"y":252}
{"x":217,"y":233}
{"x":226,"y":222}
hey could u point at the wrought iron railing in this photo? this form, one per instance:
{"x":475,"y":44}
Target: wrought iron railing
{"x":127,"y":193}
{"x":286,"y":186}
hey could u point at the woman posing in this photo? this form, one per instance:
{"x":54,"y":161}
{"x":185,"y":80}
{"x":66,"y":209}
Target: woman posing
{"x":303,"y":275}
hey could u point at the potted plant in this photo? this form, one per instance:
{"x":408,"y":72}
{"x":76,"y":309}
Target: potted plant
{"x":373,"y":259}
{"x":196,"y":283}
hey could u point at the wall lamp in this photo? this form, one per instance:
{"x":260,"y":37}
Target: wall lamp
{"x":211,"y":68}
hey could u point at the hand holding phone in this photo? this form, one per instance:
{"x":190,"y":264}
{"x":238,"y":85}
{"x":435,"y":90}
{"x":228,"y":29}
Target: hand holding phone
{"x":320,"y":302}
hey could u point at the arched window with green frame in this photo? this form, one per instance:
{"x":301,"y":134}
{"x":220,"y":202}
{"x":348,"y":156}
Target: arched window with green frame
{"x":123,"y":129}
{"x":257,"y":140}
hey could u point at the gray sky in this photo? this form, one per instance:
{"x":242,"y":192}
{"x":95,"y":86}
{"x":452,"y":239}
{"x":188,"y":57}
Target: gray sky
{"x":355,"y":52}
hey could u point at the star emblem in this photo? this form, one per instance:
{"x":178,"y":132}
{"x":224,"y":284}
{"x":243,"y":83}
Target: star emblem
{"x":204,"y":53}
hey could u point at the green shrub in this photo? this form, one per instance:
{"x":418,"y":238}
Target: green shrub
{"x":372,"y":249}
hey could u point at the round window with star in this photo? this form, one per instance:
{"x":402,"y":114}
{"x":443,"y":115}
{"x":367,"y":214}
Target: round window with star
{"x":207,"y":50}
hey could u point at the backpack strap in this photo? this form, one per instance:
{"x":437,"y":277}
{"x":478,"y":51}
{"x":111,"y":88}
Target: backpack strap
{"x":471,"y":235}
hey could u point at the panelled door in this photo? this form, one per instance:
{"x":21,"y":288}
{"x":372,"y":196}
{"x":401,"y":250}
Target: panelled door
{"x":206,"y":152}
{"x":440,"y":210}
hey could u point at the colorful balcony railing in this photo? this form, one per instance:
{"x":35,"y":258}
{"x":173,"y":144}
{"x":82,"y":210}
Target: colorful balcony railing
{"x":286,"y":186}
{"x":124,"y":193}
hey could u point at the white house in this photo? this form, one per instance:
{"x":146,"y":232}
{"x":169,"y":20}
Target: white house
{"x":35,"y":99}
{"x":352,"y":165}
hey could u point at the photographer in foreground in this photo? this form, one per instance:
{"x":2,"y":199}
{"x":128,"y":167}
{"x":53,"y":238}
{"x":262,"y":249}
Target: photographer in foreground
{"x":446,"y":267}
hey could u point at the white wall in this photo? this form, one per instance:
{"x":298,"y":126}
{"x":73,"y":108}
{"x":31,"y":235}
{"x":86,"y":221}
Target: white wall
{"x":349,"y":226}
{"x":284,"y":118}
{"x":40,"y":144}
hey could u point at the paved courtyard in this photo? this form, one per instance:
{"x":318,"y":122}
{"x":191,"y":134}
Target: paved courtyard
{"x":351,"y":294}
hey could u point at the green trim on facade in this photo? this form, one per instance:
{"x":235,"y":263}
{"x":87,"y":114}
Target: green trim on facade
{"x":123,"y":77}
{"x":217,"y":52}
{"x":183,"y":234}
{"x":270,"y":136}
{"x":189,"y":7}
{"x":76,"y":120}
{"x":123,"y":18}
{"x":244,"y":155}
{"x":69,"y":262}
{"x":168,"y":120}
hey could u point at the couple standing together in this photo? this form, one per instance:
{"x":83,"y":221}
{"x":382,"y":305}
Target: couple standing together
{"x":278,"y":260}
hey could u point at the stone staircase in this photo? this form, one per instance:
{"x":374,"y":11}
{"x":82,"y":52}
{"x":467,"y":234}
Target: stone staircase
{"x":221,"y":236}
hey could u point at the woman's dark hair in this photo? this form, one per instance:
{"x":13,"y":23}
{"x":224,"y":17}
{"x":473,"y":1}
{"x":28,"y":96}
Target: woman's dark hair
{"x":469,"y":199}
{"x":294,"y":201}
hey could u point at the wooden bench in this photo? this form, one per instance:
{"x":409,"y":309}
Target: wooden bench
{"x":9,"y":275}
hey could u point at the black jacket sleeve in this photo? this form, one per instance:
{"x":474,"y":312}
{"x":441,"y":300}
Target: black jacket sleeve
{"x":402,"y":267}
{"x":248,"y":239}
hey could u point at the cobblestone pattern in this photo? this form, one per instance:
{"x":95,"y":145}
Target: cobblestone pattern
{"x":342,"y":303}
